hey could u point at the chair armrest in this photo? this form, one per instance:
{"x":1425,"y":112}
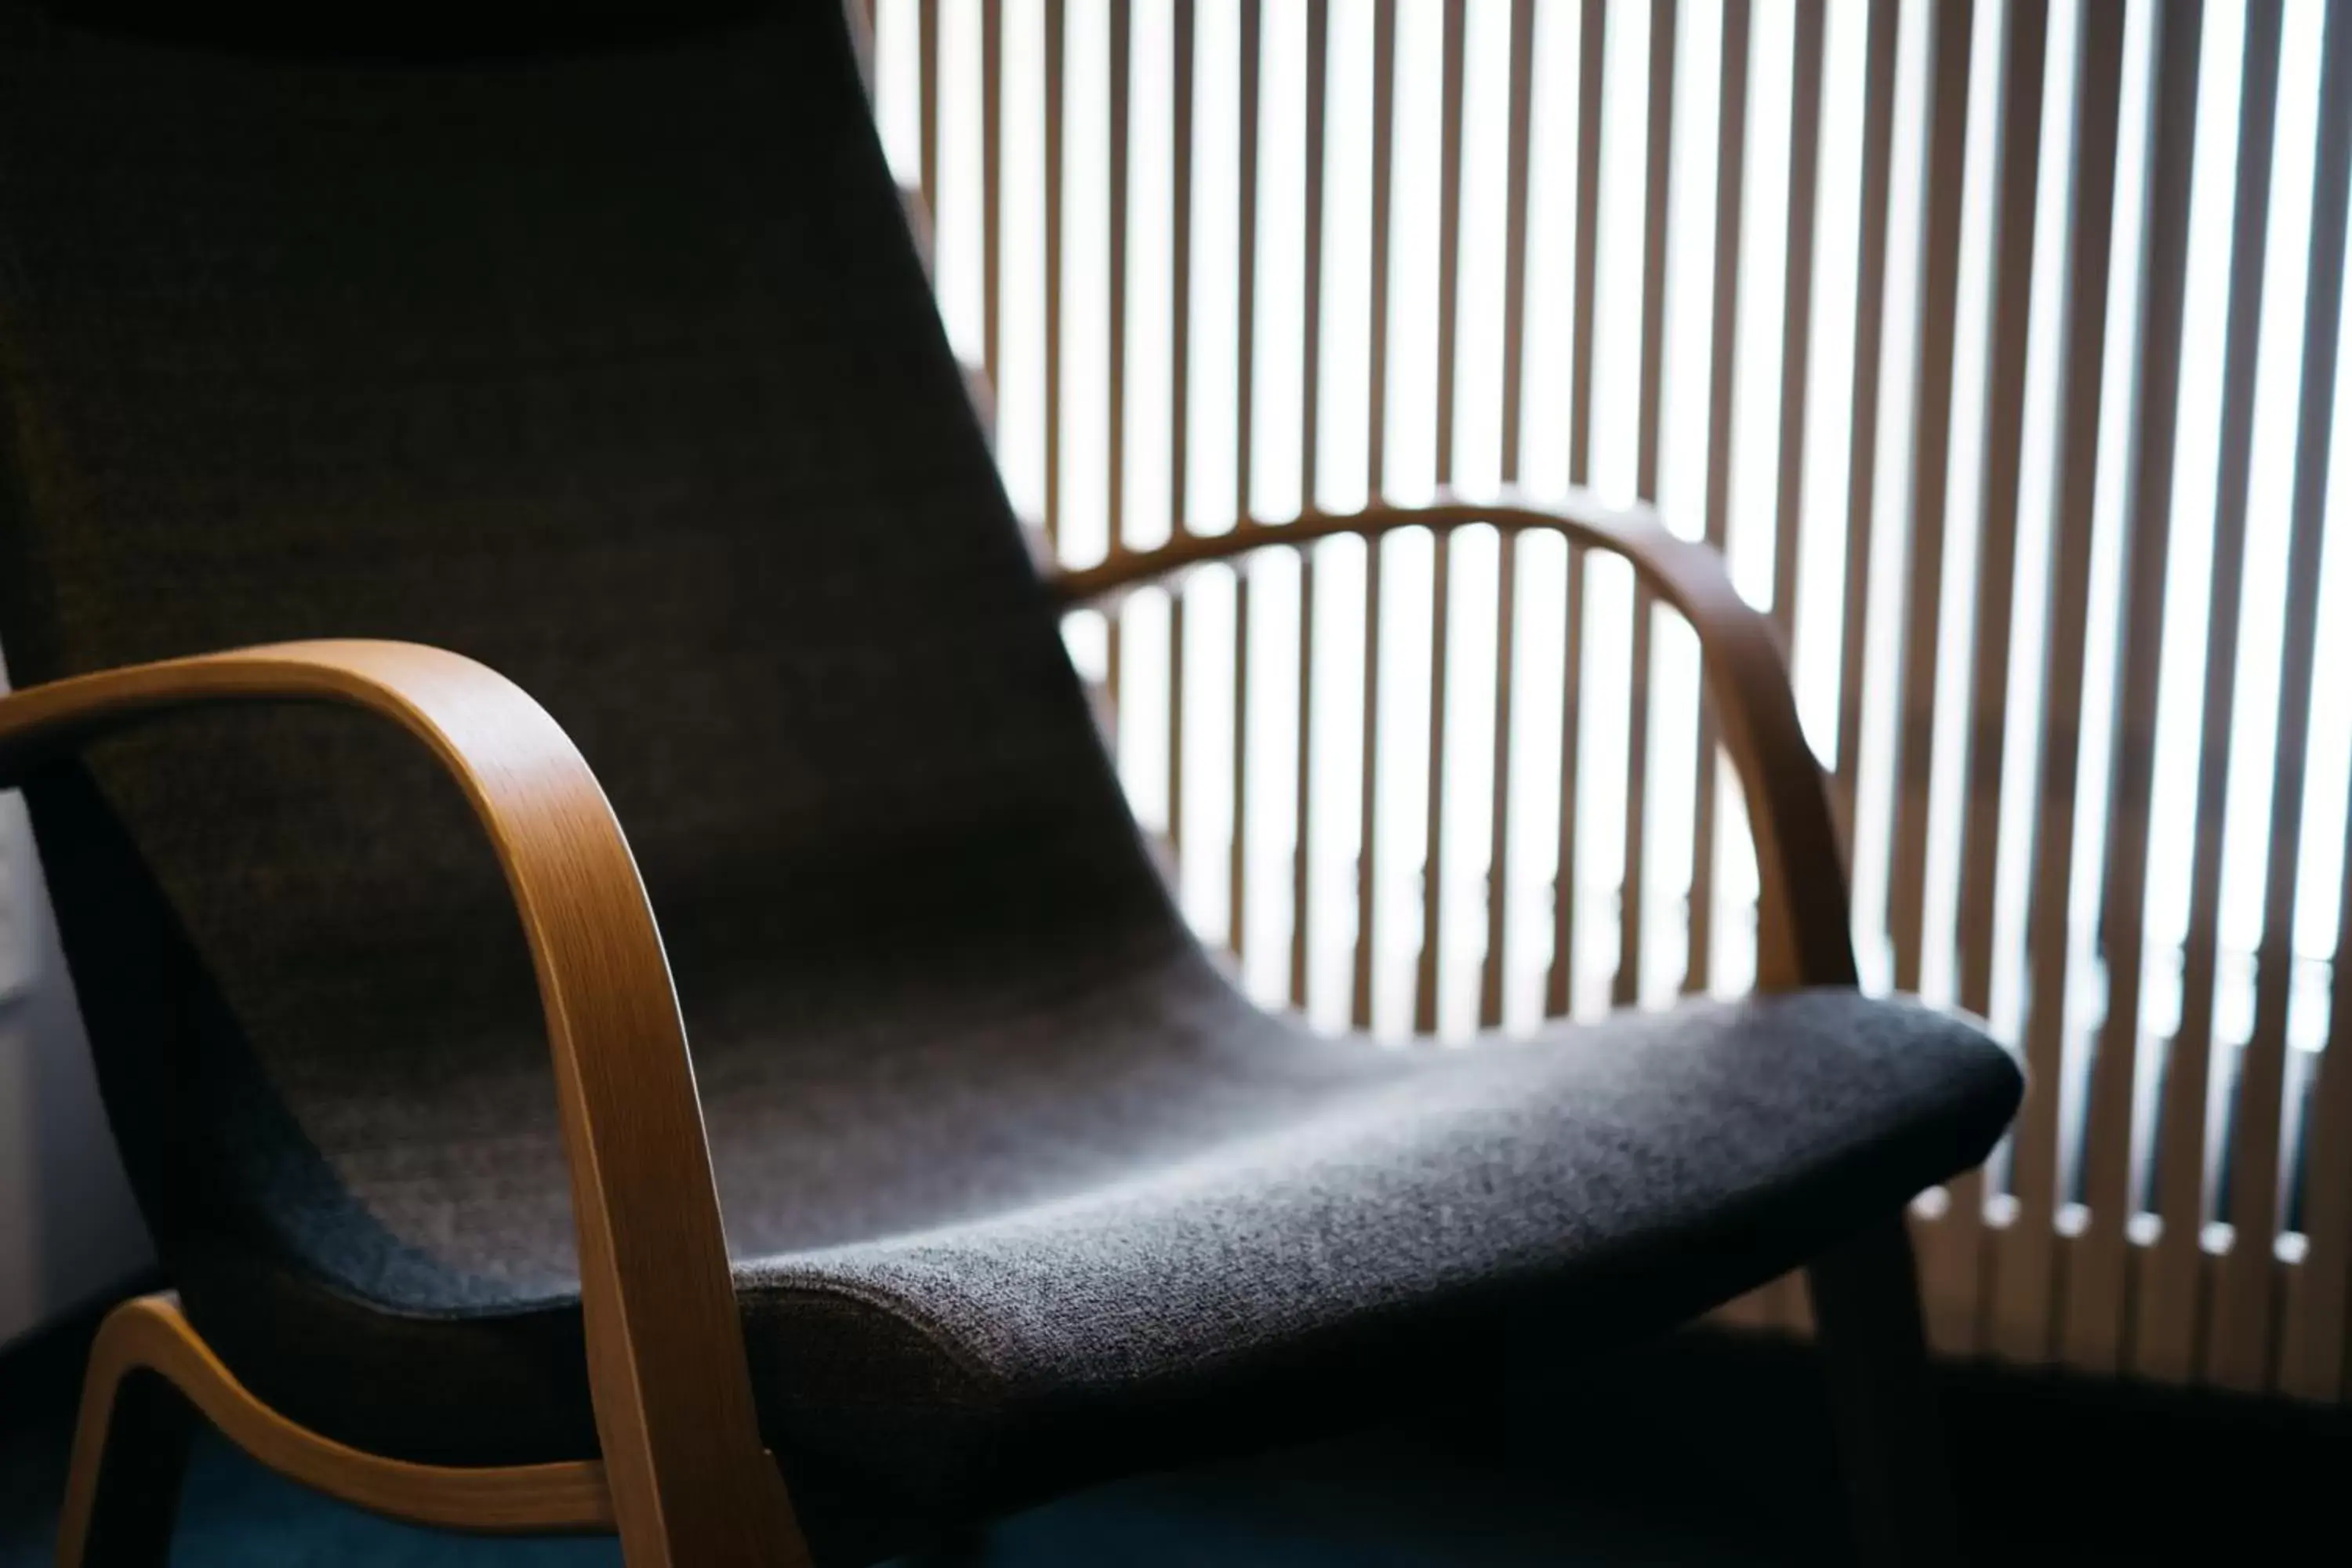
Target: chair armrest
{"x":1803,"y":927}
{"x":690,"y":1481}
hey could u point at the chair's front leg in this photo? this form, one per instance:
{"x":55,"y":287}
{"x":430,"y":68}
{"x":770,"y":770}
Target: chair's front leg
{"x":131,"y":1445}
{"x":1874,"y":1345}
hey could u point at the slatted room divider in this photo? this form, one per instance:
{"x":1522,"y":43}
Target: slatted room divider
{"x":1996,"y":344}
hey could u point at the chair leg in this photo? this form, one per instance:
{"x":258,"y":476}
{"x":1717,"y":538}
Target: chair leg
{"x":1865,"y":1295}
{"x":131,"y":1446}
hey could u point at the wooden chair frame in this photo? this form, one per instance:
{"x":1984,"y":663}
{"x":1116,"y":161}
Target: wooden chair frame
{"x":684,"y":1478}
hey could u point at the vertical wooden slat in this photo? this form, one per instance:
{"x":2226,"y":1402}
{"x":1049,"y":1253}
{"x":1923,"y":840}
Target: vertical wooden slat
{"x":1931,"y":447}
{"x":1311,"y":401}
{"x":1780,"y":1302}
{"x":1122,"y":80}
{"x":926,"y":68}
{"x":2094,"y":1286}
{"x":2240,"y":1353}
{"x":2024,"y":1314}
{"x":1561,"y":982}
{"x":2172,"y":1272}
{"x":992,"y":185}
{"x":1948,"y":66}
{"x":1663,"y":15}
{"x":1383,"y":152}
{"x":1791,"y":1301}
{"x":1449,"y":275}
{"x":1953,"y":1265}
{"x":2017,"y":164}
{"x":1514,"y":314}
{"x":1057,"y":37}
{"x":1244,"y":387}
{"x":2312,"y":1336}
{"x":1723,"y":342}
{"x":1179,"y":404}
{"x":1797,"y":307}
{"x":1862,"y":441}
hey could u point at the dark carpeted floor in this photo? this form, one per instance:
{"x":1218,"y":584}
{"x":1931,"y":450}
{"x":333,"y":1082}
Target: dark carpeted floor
{"x":1326,"y":1507}
{"x":1580,"y":1474}
{"x":1701,"y":1452}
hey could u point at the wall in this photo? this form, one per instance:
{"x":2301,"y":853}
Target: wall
{"x":69,"y":1230}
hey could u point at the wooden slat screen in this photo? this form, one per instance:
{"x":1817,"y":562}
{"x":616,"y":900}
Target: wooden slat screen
{"x":1996,"y":344}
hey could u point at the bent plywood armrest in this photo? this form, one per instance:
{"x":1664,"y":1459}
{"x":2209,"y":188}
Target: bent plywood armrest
{"x":690,"y":1481}
{"x":1862,"y":1294}
{"x":1802,"y":931}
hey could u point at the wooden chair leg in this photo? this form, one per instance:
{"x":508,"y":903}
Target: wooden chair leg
{"x":1874,"y":1344}
{"x":131,"y":1446}
{"x":151,"y":1378}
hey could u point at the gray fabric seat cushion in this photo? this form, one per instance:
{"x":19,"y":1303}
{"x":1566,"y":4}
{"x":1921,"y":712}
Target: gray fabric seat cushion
{"x":1111,"y":1225}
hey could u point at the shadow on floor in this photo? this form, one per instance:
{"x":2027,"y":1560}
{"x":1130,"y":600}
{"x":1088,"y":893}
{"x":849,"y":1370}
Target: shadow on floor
{"x":1310,"y":1509}
{"x":1580,"y":1476}
{"x":1701,"y":1452}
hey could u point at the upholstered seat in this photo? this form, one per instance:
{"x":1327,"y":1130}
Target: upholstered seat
{"x":1147,"y":1223}
{"x":605,"y":360}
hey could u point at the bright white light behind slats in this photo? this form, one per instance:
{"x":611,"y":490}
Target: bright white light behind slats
{"x":1834,"y":525}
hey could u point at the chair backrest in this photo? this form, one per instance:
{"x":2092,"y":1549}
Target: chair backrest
{"x":604,"y":359}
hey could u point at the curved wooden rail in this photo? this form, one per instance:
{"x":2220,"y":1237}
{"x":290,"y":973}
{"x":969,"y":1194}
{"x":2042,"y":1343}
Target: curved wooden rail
{"x":149,"y":1334}
{"x":1803,"y":927}
{"x":690,"y":1483}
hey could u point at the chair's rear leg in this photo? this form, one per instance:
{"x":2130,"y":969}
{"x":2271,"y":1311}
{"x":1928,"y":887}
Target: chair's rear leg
{"x":1874,"y":1344}
{"x":131,"y":1446}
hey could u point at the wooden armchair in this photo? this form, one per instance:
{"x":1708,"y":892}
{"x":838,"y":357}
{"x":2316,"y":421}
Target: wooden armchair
{"x":577,"y":383}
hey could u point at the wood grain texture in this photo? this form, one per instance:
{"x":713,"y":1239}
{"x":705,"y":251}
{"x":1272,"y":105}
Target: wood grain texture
{"x":690,"y":1483}
{"x":148,"y":1335}
{"x":1803,"y":937}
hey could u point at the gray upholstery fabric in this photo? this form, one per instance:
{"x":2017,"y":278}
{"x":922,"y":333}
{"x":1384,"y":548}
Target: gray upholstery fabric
{"x":613,"y":366}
